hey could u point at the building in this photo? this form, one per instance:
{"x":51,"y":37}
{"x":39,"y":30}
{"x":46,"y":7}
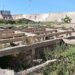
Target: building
{"x":5,"y":15}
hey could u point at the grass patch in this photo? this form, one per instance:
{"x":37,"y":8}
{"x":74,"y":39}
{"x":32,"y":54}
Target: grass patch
{"x":65,"y":64}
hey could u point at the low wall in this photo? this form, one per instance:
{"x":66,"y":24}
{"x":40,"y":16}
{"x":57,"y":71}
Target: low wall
{"x":26,"y":54}
{"x":23,"y":48}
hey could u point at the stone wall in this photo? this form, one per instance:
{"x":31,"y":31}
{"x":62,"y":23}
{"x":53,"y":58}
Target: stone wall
{"x":44,"y":17}
{"x":6,"y":72}
{"x":47,"y":16}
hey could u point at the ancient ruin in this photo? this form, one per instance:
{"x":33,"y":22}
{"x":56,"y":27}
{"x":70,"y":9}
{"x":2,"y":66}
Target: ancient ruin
{"x":26,"y":45}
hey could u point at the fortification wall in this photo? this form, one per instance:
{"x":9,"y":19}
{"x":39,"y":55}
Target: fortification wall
{"x":47,"y":16}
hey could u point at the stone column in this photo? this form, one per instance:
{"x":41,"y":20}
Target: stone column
{"x":33,"y":53}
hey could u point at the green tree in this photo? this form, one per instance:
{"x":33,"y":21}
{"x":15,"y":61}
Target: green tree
{"x":66,"y":19}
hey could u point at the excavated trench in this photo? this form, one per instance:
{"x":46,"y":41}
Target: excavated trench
{"x":14,"y":63}
{"x":71,"y":38}
{"x":22,"y":61}
{"x":6,"y":62}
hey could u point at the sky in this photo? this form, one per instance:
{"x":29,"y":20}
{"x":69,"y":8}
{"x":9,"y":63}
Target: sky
{"x":37,"y":6}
